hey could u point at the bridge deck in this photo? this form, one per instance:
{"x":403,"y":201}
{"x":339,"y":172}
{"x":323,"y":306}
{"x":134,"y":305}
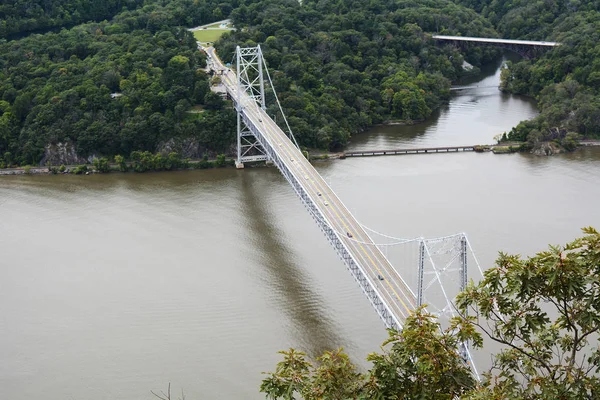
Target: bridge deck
{"x":382,"y":277}
{"x":496,"y":41}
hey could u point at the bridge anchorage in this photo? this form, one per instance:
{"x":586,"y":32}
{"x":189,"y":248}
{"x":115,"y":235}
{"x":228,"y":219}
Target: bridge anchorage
{"x":428,"y":265}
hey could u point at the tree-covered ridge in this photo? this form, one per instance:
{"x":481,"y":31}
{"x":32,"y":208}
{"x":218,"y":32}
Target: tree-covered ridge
{"x":22,"y":16}
{"x":110,"y":87}
{"x":341,"y":66}
{"x":566,"y":81}
{"x":19,"y":17}
{"x":526,"y":19}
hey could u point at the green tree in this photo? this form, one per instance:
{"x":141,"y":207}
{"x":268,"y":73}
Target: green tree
{"x":545,"y":311}
{"x":120,"y":161}
{"x":101,"y":164}
{"x":421,"y":362}
{"x":8,"y":158}
{"x":221,"y":160}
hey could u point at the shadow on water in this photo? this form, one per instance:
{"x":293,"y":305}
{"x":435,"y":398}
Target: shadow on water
{"x":314,"y":329}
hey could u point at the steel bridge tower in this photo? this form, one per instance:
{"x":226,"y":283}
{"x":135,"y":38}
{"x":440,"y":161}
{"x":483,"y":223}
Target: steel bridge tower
{"x":250,"y":80}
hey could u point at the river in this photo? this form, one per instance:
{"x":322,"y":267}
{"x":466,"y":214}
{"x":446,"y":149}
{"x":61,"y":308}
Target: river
{"x":115,"y":285}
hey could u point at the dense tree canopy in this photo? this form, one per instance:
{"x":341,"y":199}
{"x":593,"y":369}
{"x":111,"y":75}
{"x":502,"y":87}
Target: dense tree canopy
{"x":545,"y":310}
{"x":109,"y":88}
{"x":22,"y":16}
{"x":341,"y":66}
{"x":419,"y":362}
{"x":566,"y":80}
{"x":18,"y":17}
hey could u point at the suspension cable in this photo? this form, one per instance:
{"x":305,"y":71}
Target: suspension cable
{"x":278,"y":103}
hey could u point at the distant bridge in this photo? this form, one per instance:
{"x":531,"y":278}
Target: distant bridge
{"x":526,"y":48}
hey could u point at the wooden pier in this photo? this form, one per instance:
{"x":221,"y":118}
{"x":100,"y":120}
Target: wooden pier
{"x":422,"y":150}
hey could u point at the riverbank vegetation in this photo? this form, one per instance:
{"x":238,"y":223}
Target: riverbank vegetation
{"x":139,"y":161}
{"x":544,"y":311}
{"x":566,"y":80}
{"x":341,"y":66}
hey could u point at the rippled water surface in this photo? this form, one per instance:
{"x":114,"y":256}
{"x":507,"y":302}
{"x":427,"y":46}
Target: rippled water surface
{"x":115,"y":285}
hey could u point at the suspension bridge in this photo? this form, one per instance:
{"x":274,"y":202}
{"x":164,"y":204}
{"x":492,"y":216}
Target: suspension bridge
{"x":438,"y":270}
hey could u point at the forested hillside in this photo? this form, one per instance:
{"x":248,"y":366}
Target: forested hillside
{"x":127,"y":84}
{"x":566,"y":80}
{"x":18,"y":17}
{"x":344,"y":65}
{"x":111,"y":87}
{"x":22,"y":16}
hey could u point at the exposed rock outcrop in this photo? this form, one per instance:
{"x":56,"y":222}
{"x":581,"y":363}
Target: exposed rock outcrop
{"x":547,"y":149}
{"x":185,"y":147}
{"x":62,"y":153}
{"x":188,"y":148}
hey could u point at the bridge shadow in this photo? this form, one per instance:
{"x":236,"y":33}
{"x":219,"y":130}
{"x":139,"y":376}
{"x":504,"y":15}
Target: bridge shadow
{"x":313,"y":329}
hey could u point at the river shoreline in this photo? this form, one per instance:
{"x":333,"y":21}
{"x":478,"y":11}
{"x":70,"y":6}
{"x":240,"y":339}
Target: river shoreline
{"x":114,"y":168}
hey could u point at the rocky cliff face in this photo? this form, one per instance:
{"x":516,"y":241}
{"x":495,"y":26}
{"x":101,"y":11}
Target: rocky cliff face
{"x":185,"y":147}
{"x":547,"y":149}
{"x":188,"y":148}
{"x":63,"y":153}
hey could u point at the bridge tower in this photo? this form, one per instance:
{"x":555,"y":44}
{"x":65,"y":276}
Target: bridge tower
{"x":250,"y":80}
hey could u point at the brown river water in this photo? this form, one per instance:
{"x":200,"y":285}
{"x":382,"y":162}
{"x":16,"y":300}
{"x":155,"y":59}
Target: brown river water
{"x":115,"y":285}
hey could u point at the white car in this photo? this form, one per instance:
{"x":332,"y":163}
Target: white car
{"x":325,"y":202}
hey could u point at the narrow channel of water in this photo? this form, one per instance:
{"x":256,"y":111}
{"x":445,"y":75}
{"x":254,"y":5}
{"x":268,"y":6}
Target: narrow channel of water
{"x":473,"y":116}
{"x":115,"y":285}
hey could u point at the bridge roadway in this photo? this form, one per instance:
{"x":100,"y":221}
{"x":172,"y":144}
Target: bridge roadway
{"x":387,"y":285}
